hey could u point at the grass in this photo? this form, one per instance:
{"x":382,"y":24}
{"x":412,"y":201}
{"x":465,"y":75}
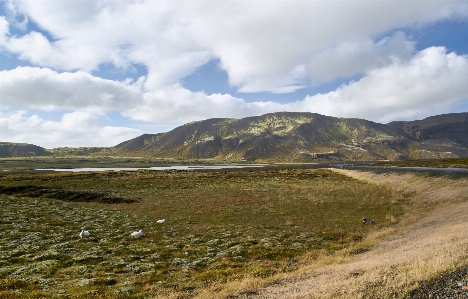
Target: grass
{"x":221,"y":227}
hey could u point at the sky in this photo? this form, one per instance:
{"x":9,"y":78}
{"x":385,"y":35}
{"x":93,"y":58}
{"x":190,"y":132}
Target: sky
{"x":96,"y":73}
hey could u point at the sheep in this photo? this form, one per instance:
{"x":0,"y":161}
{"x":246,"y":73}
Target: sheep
{"x":137,"y":234}
{"x":84,"y":234}
{"x":367,"y":221}
{"x":161,"y":221}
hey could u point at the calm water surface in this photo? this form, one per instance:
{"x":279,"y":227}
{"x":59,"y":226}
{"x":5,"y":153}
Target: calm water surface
{"x":151,"y":168}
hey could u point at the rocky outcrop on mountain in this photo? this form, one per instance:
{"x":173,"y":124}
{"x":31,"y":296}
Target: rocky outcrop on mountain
{"x":304,"y":137}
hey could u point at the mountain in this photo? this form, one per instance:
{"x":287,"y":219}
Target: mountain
{"x":287,"y":137}
{"x":8,"y":149}
{"x":447,"y":129}
{"x":302,"y":137}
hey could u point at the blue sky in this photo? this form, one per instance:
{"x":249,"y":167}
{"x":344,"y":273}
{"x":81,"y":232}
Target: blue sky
{"x":96,"y":73}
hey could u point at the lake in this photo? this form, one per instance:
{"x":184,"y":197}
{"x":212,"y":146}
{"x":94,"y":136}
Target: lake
{"x":91,"y":169}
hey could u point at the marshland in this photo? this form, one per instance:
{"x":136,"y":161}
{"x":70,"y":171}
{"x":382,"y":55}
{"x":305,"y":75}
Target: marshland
{"x":240,"y":233}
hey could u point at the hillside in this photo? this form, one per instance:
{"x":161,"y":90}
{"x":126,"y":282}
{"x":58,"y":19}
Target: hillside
{"x":8,"y":149}
{"x":303,"y":137}
{"x":286,"y":137}
{"x":446,"y":130}
{"x":78,"y":151}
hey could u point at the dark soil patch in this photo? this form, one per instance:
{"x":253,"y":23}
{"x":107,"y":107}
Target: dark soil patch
{"x":75,"y":196}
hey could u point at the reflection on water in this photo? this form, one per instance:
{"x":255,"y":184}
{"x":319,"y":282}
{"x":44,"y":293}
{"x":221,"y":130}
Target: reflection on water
{"x":151,"y":168}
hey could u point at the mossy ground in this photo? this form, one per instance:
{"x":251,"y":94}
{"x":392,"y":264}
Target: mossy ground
{"x":220,"y":226}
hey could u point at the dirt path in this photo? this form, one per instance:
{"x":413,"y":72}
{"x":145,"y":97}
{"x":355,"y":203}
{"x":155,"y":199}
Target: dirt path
{"x":418,"y":248}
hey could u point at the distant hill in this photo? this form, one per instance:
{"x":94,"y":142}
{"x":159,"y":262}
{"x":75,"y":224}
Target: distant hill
{"x":78,"y":151}
{"x":8,"y":149}
{"x":303,"y":137}
{"x":446,"y":129}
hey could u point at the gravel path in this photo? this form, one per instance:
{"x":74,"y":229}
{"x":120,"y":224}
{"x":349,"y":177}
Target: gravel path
{"x":450,"y":285}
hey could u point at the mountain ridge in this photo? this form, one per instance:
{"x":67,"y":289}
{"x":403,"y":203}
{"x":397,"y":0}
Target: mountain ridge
{"x":304,"y":137}
{"x":10,"y":149}
{"x":297,"y":137}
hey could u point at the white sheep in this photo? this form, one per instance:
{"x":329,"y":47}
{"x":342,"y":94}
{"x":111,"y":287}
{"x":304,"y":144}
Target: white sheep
{"x":161,"y":221}
{"x":84,"y":234}
{"x":137,"y":234}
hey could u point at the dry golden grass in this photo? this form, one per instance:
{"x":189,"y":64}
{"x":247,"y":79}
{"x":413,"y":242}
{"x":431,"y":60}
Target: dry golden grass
{"x":388,"y":263}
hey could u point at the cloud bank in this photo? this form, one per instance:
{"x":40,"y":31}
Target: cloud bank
{"x":263,"y":46}
{"x":429,"y":83}
{"x":43,"y":88}
{"x":77,"y":128}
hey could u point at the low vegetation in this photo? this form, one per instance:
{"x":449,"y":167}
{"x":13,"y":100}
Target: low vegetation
{"x":422,"y":256}
{"x":221,"y":227}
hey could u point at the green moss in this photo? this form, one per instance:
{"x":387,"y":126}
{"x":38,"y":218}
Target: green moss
{"x":220,"y":226}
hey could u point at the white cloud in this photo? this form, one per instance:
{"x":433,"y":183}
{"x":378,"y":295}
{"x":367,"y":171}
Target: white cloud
{"x":349,"y":58}
{"x":177,"y":104}
{"x":261,"y":44}
{"x":430,"y":83}
{"x":274,"y":46}
{"x":34,"y":47}
{"x":4,"y":29}
{"x":43,"y":88}
{"x":15,"y":18}
{"x":74,"y":129}
{"x":286,"y":84}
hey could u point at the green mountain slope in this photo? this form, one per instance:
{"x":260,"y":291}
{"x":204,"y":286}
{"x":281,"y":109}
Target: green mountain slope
{"x":287,"y":137}
{"x":8,"y":149}
{"x":291,"y":136}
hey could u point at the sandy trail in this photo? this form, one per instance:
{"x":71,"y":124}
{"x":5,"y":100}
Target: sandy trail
{"x":418,"y":248}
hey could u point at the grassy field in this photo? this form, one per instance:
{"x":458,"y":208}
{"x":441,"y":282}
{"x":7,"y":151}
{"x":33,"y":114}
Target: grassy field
{"x":427,"y":243}
{"x":221,"y":226}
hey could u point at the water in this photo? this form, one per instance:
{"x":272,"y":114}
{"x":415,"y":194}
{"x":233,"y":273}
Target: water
{"x":151,"y":168}
{"x":447,"y":169}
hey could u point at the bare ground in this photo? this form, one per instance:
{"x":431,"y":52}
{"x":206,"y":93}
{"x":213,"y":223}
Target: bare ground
{"x":390,"y":263}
